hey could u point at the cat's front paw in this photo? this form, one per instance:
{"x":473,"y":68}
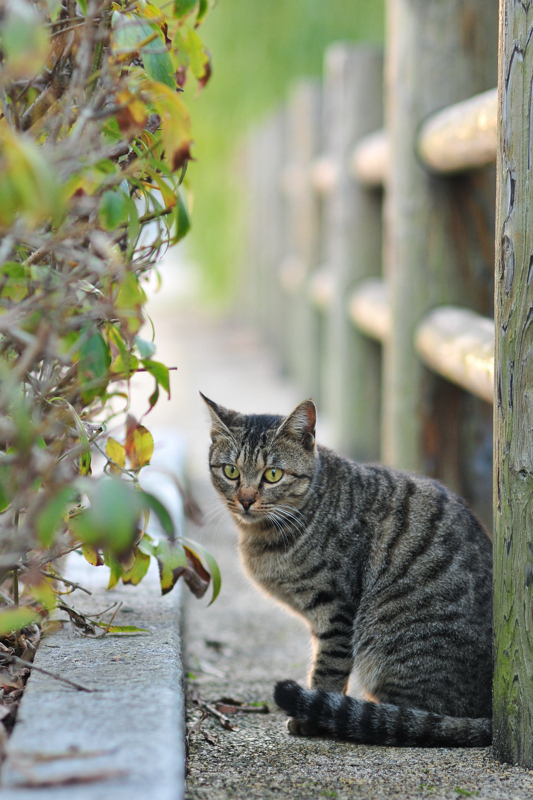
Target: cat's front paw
{"x":298,"y":728}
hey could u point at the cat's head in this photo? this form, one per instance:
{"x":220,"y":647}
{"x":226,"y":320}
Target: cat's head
{"x":263,"y":465}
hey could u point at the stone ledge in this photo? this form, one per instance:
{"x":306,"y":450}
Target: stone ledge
{"x":125,"y":740}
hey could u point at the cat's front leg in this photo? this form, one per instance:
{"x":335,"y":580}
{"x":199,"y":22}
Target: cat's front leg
{"x":333,"y":660}
{"x":332,"y":665}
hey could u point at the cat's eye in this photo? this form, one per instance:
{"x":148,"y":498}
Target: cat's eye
{"x":231,"y":472}
{"x":273,"y":475}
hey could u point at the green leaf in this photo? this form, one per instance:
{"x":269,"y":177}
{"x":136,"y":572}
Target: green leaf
{"x":162,"y":514}
{"x":120,"y":628}
{"x":172,"y":563}
{"x":48,"y":521}
{"x":43,"y":593}
{"x":154,"y":397}
{"x":13,"y":619}
{"x":54,"y":7}
{"x":146,"y":349}
{"x":132,"y":216}
{"x":203,"y":5}
{"x":111,"y":132}
{"x":130,"y":32}
{"x":6,"y":486}
{"x":158,"y":63}
{"x":160,"y":373}
{"x":212,"y":565}
{"x":129,"y":300}
{"x":112,"y":519}
{"x":182,"y":220}
{"x":115,"y":567}
{"x":147,"y":546}
{"x":198,"y":57}
{"x":83,"y":5}
{"x":184,"y":7}
{"x":124,"y":367}
{"x":13,"y":280}
{"x":113,"y":210}
{"x":139,"y":569}
{"x":93,"y":367}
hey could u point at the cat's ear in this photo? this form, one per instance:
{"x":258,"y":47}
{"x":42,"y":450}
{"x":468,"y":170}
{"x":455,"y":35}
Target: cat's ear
{"x":221,"y":418}
{"x":300,"y":424}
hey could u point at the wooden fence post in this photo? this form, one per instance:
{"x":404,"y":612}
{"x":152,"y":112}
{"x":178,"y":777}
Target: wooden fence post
{"x":513,"y":407}
{"x":251,"y":267}
{"x":438,"y":52}
{"x":353,"y":107}
{"x":303,"y":249}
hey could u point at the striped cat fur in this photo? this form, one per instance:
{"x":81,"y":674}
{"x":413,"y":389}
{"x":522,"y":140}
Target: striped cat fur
{"x":391,"y":571}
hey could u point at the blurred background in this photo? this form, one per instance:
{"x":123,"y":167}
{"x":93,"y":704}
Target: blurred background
{"x":342,"y":243}
{"x":258,"y":49}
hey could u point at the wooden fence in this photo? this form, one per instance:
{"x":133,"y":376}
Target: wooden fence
{"x":371,"y":268}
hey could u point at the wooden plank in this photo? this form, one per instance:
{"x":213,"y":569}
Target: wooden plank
{"x":369,"y":309}
{"x":324,"y":175}
{"x":266,"y":201}
{"x":369,"y":162}
{"x":459,"y":345}
{"x":438,"y":54}
{"x":302,"y":329}
{"x":352,"y":248}
{"x":462,"y":136}
{"x":321,"y":289}
{"x":513,"y":412}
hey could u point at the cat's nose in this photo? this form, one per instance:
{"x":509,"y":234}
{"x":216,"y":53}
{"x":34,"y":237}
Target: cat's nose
{"x":246,"y":502}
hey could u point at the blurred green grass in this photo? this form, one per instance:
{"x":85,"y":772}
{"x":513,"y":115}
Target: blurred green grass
{"x":258,"y":48}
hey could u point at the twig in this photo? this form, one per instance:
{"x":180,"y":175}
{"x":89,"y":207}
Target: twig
{"x":6,"y":598}
{"x":65,"y":581}
{"x":117,"y":609}
{"x":225,"y":721}
{"x":53,"y":675}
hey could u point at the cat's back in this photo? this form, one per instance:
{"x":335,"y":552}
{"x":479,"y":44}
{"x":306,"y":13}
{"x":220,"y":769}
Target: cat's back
{"x":426,"y":593}
{"x":399,"y":516}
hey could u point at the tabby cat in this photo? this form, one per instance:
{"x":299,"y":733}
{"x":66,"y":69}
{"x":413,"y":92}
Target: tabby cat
{"x":391,"y":571}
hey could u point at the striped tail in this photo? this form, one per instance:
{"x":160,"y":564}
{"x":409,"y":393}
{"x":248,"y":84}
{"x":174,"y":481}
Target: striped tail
{"x":379,"y":723}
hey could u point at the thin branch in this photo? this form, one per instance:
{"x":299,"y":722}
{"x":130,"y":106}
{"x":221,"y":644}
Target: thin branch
{"x":15,"y":659}
{"x":65,"y":581}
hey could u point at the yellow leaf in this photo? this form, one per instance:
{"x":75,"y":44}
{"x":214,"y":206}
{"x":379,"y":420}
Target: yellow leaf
{"x":116,"y":452}
{"x":175,"y":121}
{"x":168,"y":193}
{"x":92,"y":555}
{"x":143,"y":447}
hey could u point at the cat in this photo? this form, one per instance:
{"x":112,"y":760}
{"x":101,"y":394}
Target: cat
{"x":391,"y":571}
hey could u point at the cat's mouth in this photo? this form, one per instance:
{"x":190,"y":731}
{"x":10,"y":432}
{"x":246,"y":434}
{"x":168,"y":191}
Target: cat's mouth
{"x":247,"y":515}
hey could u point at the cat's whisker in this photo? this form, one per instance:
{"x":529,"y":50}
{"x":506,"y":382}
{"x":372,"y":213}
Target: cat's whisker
{"x":277,"y":524}
{"x":291,"y":517}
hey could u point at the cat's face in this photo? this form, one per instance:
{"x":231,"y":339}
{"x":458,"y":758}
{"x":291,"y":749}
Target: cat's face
{"x":262,"y":465}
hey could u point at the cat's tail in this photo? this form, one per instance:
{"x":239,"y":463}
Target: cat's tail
{"x":379,"y":723}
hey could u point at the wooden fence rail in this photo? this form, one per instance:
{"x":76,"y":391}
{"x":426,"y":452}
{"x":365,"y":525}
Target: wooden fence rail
{"x":375,"y":248}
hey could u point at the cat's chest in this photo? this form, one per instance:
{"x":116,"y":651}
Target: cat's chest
{"x":277,"y":574}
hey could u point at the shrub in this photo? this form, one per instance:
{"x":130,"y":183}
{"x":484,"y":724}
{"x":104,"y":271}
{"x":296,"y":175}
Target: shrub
{"x":94,"y":145}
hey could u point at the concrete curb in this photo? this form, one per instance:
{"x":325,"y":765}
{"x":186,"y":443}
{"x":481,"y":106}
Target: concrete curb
{"x":125,"y":740}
